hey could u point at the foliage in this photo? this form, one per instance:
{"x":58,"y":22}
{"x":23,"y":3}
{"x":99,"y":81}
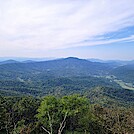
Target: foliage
{"x":106,"y":109}
{"x":67,"y":114}
{"x":53,"y":111}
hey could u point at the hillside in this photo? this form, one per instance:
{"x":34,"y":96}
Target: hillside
{"x":125,"y":73}
{"x":53,"y":85}
{"x":25,"y":87}
{"x":61,"y":67}
{"x":63,"y":76}
{"x":8,"y":62}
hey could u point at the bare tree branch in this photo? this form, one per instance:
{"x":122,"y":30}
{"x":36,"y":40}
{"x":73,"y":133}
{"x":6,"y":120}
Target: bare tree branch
{"x":62,"y":124}
{"x":50,"y":123}
{"x":45,"y":130}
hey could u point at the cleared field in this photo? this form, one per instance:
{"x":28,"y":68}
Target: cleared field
{"x":124,"y":85}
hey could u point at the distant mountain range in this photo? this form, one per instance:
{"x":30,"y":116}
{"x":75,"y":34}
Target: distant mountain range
{"x":116,"y":62}
{"x":20,"y":59}
{"x":67,"y":67}
{"x":61,"y":67}
{"x":66,"y":76}
{"x":8,"y":62}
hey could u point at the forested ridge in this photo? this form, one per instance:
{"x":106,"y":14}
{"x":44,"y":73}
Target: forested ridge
{"x":65,"y":96}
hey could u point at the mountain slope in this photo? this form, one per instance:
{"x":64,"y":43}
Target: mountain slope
{"x":61,"y":67}
{"x":125,"y":73}
{"x":8,"y":62}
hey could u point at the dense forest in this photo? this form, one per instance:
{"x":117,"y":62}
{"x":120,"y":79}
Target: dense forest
{"x":65,"y":96}
{"x":67,"y":114}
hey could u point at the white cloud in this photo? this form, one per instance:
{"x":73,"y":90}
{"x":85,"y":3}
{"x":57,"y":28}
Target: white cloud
{"x":43,"y":24}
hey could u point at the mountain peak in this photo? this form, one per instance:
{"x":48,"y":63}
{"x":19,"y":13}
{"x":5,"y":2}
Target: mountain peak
{"x":72,"y":58}
{"x":8,"y":61}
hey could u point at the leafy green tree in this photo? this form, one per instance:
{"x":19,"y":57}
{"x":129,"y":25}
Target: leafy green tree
{"x":17,"y":114}
{"x":24,"y":111}
{"x":75,"y":107}
{"x":54,"y":113}
{"x":2,"y":114}
{"x":6,"y":114}
{"x":115,"y":119}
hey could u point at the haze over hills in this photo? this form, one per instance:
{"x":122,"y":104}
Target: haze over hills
{"x":8,"y":62}
{"x":4,"y":60}
{"x":61,"y":67}
{"x":22,"y":59}
{"x":70,"y":66}
{"x":66,"y":67}
{"x":117,"y":62}
{"x":66,"y":75}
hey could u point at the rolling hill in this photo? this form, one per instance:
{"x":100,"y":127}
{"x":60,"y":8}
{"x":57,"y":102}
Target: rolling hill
{"x":125,"y":73}
{"x":62,"y":67}
{"x":66,"y":76}
{"x":8,"y":62}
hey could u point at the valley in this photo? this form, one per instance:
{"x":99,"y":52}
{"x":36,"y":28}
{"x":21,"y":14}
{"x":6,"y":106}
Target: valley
{"x":63,"y":77}
{"x":66,"y":88}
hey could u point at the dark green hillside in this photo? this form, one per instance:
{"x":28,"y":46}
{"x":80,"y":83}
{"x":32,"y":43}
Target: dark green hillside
{"x":61,"y":77}
{"x":125,"y":73}
{"x":108,"y":96}
{"x":40,"y":86}
{"x":62,"y":67}
{"x":99,"y":90}
{"x":37,"y":95}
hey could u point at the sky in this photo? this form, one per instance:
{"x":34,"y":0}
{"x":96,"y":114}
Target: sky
{"x":101,"y":29}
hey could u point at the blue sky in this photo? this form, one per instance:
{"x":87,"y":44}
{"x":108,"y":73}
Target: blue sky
{"x":83,"y":28}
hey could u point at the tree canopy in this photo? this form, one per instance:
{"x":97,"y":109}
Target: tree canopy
{"x":54,"y":112}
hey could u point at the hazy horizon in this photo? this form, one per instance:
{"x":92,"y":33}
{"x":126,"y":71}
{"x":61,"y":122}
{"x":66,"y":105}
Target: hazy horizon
{"x":55,"y":58}
{"x":55,"y":28}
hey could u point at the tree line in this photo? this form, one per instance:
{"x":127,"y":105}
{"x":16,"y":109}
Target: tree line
{"x":71,"y":114}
